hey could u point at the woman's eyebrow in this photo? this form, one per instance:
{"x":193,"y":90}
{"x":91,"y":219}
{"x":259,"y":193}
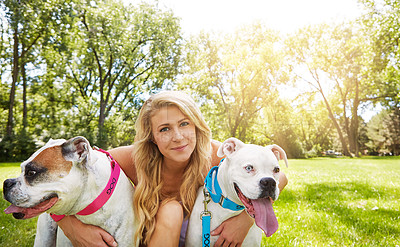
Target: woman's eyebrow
{"x":184,"y":119}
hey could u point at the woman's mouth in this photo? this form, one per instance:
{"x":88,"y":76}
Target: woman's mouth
{"x":180,"y":148}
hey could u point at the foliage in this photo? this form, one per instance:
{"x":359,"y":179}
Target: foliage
{"x":121,"y":52}
{"x":381,"y":24}
{"x":84,"y":68}
{"x":330,"y":60}
{"x":235,"y":78}
{"x":384,"y":132}
{"x":81,"y":68}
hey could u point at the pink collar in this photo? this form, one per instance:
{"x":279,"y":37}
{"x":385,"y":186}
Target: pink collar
{"x":104,"y":195}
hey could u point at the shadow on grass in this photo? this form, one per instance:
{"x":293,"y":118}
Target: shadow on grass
{"x":354,"y":211}
{"x":356,"y":205}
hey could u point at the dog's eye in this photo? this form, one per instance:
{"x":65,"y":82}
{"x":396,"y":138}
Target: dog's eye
{"x":30,"y":173}
{"x":249,"y":168}
{"x":277,"y":169}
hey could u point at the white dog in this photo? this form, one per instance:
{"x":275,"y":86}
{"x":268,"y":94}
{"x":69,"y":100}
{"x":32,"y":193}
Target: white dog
{"x":247,"y":179}
{"x":70,"y":178}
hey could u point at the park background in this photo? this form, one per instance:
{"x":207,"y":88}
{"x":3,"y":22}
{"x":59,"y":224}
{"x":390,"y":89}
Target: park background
{"x":328,"y":88}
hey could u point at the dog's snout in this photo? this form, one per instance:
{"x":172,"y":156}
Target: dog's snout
{"x":268,"y":184}
{"x":9,"y":183}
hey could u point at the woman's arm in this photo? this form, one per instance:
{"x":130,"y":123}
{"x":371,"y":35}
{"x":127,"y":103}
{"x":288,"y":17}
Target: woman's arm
{"x":283,"y":181}
{"x":82,"y":235}
{"x":233,"y":231}
{"x":214,"y":157}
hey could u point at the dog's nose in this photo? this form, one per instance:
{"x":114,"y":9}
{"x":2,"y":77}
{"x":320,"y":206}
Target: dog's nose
{"x":268,"y":184}
{"x":8,"y":183}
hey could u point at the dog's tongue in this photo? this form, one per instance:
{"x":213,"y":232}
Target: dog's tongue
{"x":26,"y":213}
{"x":265,"y":216}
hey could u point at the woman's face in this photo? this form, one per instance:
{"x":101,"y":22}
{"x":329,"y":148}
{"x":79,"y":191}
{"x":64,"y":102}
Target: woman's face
{"x":174,"y":134}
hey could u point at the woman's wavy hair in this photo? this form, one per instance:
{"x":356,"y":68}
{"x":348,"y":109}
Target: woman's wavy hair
{"x":148,"y":160}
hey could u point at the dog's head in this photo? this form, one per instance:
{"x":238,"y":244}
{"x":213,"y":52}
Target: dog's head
{"x":254,"y":175}
{"x":44,"y":178}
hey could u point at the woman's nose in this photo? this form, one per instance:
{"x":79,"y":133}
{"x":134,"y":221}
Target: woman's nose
{"x":177,"y":135}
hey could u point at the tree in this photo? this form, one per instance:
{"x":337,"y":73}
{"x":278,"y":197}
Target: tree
{"x":119,"y":53}
{"x":383,"y":131}
{"x":235,"y":78}
{"x":334,"y":57}
{"x":28,"y":24}
{"x":80,"y":68}
{"x":381,"y":22}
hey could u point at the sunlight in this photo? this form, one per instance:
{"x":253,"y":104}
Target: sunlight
{"x":285,"y":16}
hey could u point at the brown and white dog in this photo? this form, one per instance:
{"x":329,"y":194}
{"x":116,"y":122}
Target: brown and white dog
{"x":67,"y":177}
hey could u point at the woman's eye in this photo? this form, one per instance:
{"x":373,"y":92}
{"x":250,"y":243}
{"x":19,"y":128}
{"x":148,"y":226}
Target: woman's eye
{"x":249,"y":168}
{"x":184,"y":124}
{"x":164,"y":129}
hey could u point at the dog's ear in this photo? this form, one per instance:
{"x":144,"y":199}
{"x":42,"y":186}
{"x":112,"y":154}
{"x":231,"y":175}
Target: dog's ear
{"x":279,"y":153}
{"x":229,"y":147}
{"x":76,"y":149}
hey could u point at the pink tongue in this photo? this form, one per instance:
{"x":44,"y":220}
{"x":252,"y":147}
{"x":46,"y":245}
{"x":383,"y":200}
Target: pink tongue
{"x":13,"y":209}
{"x":34,"y":211}
{"x":265,"y":216}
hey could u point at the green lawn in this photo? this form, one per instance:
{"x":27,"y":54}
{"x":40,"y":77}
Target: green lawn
{"x":339,"y":202}
{"x":14,"y":233}
{"x":328,"y":202}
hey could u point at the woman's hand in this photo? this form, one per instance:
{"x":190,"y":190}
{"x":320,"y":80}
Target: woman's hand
{"x":82,"y":235}
{"x":233,"y":231}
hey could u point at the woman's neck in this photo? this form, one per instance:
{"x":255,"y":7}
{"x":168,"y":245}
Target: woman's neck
{"x":174,"y":168}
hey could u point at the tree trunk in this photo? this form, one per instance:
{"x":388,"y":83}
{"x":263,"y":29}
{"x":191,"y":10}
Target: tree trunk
{"x":347,"y":126}
{"x":101,"y":138}
{"x":337,"y":126}
{"x":353,"y":137}
{"x":25,"y":108}
{"x":15,"y":71}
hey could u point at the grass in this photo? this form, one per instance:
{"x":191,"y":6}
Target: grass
{"x":339,"y":202}
{"x":14,"y":232}
{"x":328,"y":202}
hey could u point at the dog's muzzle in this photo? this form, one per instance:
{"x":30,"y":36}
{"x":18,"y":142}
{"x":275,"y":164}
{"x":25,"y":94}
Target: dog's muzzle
{"x":268,"y":188}
{"x":7,"y":186}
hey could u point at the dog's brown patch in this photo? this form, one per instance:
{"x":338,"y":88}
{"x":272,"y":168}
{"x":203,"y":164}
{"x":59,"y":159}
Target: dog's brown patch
{"x":52,"y":159}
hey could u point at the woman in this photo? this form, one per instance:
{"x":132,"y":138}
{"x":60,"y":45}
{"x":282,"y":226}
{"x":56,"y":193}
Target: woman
{"x":168,"y":161}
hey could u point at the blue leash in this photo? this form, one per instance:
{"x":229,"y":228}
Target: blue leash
{"x":216,"y":197}
{"x":205,"y":223}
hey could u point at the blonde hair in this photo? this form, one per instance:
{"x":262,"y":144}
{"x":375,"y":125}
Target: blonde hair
{"x":148,"y":160}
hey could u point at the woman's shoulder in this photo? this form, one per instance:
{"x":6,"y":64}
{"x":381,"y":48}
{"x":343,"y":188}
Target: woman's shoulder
{"x":214,"y":148}
{"x":124,"y":156}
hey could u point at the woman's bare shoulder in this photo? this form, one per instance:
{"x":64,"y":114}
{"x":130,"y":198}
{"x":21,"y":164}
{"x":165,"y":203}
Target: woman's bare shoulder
{"x":214,"y":157}
{"x":124,"y":156}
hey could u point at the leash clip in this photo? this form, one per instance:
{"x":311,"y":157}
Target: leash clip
{"x":207,"y":199}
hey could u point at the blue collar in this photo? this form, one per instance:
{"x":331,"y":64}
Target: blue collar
{"x":217,"y":197}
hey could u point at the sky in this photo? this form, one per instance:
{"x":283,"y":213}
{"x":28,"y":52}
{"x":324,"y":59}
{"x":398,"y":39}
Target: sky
{"x":283,"y":15}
